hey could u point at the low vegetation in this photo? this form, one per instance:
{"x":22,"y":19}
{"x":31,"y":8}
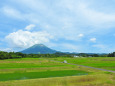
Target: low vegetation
{"x":18,"y":69}
{"x":44,"y":72}
{"x":97,"y":62}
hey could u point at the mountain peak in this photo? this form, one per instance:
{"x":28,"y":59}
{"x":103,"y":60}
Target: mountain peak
{"x":38,"y":49}
{"x":41,"y":45}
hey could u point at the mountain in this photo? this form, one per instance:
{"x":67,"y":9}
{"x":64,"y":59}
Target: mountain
{"x":38,"y":49}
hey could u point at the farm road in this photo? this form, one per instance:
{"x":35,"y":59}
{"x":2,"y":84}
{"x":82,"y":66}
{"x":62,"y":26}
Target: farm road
{"x":86,"y":66}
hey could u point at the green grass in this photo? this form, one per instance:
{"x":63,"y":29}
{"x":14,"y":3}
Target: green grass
{"x":27,"y":63}
{"x":85,"y":80}
{"x":98,"y":62}
{"x":44,"y":74}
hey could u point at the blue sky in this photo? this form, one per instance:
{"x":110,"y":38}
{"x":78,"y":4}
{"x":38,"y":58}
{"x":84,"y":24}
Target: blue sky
{"x":65,"y":25}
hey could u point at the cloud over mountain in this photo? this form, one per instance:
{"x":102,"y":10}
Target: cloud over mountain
{"x":24,"y":39}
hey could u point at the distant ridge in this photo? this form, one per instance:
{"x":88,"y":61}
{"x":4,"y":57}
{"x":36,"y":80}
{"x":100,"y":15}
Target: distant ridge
{"x":38,"y":49}
{"x":42,"y":49}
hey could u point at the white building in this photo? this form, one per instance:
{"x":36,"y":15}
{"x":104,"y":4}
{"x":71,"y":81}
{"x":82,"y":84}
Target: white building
{"x":75,"y":56}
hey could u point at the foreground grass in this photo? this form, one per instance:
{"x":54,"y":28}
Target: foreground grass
{"x":43,"y":72}
{"x":86,"y":80}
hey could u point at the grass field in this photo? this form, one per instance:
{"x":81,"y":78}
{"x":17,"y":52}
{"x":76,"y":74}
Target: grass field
{"x":98,"y":62}
{"x":43,"y":72}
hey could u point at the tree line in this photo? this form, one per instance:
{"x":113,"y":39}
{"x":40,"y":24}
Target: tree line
{"x":13,"y":55}
{"x":111,"y":54}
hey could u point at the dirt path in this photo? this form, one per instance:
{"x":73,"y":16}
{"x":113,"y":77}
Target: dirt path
{"x":86,"y":66}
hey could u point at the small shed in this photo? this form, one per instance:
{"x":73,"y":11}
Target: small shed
{"x":64,"y":61}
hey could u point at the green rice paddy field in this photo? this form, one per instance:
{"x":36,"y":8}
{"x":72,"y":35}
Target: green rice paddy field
{"x":97,"y":62}
{"x":44,"y":72}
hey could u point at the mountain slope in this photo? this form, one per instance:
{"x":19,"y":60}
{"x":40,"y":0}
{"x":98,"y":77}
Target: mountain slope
{"x":38,"y":49}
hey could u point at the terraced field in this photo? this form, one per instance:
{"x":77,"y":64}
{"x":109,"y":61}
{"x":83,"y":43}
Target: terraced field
{"x":44,"y":72}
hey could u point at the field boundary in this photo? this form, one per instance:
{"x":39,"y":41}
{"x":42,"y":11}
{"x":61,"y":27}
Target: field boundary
{"x":86,"y":66}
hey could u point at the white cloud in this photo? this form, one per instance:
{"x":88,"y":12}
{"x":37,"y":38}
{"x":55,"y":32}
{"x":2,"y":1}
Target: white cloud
{"x":70,"y":19}
{"x":6,"y":50}
{"x":80,"y":35}
{"x":12,"y":12}
{"x":24,"y":39}
{"x":96,"y":18}
{"x":93,"y":39}
{"x":30,"y":27}
{"x":17,"y":14}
